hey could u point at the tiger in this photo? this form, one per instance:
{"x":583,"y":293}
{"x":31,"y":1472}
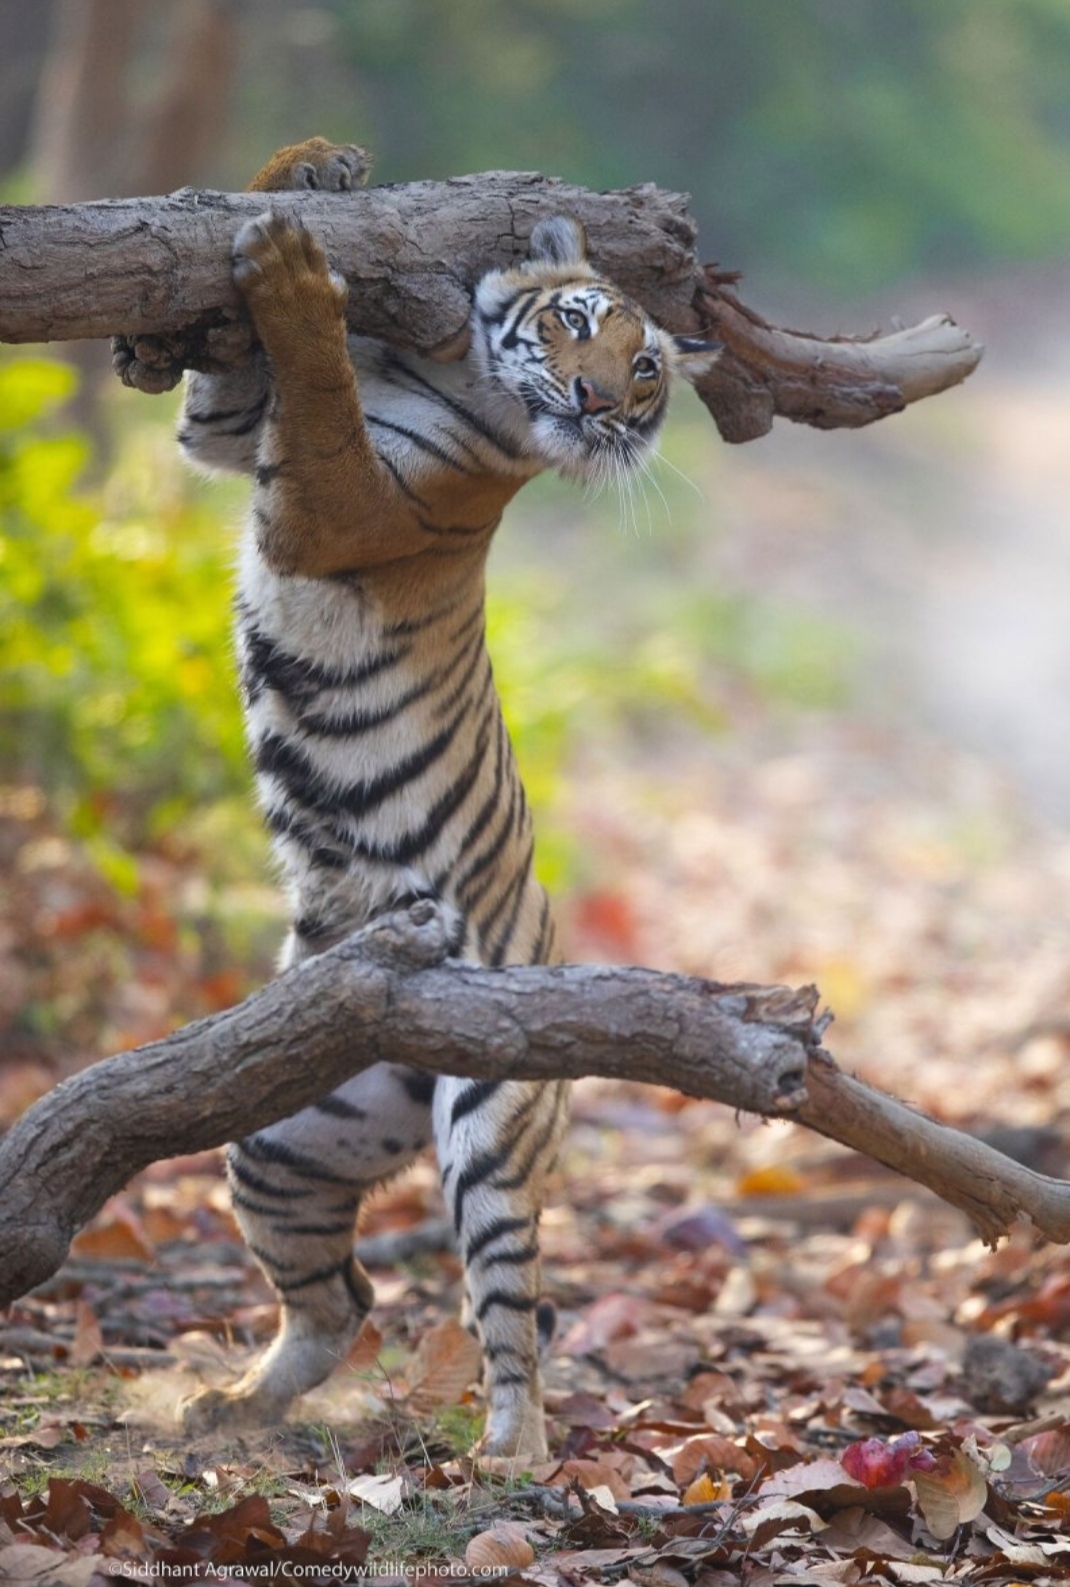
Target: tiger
{"x":382,"y":761}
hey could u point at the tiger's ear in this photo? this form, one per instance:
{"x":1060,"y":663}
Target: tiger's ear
{"x":561,"y":240}
{"x":695,"y":355}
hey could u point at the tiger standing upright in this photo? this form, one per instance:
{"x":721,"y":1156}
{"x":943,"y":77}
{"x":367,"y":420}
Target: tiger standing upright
{"x":383,"y":763}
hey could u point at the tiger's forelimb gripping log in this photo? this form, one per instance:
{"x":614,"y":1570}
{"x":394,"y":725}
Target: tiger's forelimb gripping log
{"x":158,"y":271}
{"x":390,"y":988}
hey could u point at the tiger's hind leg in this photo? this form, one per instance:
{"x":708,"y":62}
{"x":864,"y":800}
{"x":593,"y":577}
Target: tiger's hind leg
{"x":496,"y":1144}
{"x":296,"y":1188}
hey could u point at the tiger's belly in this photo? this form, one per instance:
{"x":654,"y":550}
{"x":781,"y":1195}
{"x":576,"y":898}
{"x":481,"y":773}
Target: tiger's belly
{"x":383,"y":764}
{"x":364,"y":1131}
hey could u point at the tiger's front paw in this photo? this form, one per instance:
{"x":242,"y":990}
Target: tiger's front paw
{"x":280,"y":269}
{"x":315,"y":164}
{"x":147,"y":363}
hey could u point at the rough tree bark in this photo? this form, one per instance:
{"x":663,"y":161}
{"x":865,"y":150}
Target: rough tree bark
{"x":387,"y":992}
{"x":158,"y":271}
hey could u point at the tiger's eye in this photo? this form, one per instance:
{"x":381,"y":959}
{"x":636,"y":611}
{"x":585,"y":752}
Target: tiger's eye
{"x":645,"y":367}
{"x":574,"y":319}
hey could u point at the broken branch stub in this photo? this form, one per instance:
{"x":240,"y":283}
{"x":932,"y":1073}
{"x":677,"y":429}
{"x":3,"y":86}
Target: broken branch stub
{"x":829,"y":383}
{"x":156,"y":272}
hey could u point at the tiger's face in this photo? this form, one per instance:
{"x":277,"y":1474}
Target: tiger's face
{"x":583,"y":372}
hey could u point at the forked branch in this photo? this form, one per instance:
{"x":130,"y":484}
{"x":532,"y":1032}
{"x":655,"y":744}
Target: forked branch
{"x":157,"y":271}
{"x":387,"y":992}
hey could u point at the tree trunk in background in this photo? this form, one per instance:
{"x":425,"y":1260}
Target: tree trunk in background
{"x":92,"y":137}
{"x":24,"y":36}
{"x":183,"y":127}
{"x":81,"y":111}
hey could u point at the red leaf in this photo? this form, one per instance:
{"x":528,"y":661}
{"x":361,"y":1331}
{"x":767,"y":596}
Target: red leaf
{"x":613,"y":1316}
{"x":876,"y":1464}
{"x":608,"y":920}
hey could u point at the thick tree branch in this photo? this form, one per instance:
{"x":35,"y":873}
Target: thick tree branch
{"x":157,"y":270}
{"x":359,"y":1004}
{"x":841,"y":382}
{"x":386,"y":992}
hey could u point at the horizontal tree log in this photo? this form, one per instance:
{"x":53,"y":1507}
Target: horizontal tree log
{"x":411,"y":254}
{"x":157,"y":272}
{"x":387,"y":992}
{"x":353,"y":1006}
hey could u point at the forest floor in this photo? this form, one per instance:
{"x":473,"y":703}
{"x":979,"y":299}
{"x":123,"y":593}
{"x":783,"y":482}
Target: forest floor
{"x":775,"y":1361}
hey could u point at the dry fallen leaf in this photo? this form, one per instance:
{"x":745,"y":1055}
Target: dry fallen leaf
{"x":705,"y":1491}
{"x":364,"y":1351}
{"x":602,"y":1495}
{"x":88,"y":1339}
{"x":778,"y":1516}
{"x":950,"y":1496}
{"x":447,"y":1360}
{"x":385,"y":1494}
{"x":42,"y":1567}
{"x":613,"y":1316}
{"x":116,"y":1234}
{"x":502,"y":1548}
{"x":777,"y":1179}
{"x":591,"y":1474}
{"x":707,"y":1452}
{"x":46,"y":1435}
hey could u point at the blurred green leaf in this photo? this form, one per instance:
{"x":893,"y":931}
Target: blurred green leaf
{"x":841,"y":143}
{"x":114,"y":614}
{"x":31,"y":387}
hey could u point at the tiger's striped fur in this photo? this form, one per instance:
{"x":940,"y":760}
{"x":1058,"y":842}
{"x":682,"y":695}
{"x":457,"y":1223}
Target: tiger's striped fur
{"x":383,"y":763}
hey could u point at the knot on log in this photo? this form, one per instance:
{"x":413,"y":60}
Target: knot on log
{"x":425,"y":934}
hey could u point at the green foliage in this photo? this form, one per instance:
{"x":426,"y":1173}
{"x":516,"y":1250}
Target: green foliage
{"x":840,"y":142}
{"x":457,"y":1426}
{"x":113,"y":618}
{"x":115,"y":653}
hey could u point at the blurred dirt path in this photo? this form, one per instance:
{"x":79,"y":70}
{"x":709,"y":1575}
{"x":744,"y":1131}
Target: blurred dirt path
{"x":942,"y":536}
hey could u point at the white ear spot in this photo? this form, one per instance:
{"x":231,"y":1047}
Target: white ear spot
{"x":694,"y":356}
{"x":561,"y":240}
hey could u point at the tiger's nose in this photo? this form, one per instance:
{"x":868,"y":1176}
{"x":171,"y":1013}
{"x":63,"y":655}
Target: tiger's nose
{"x":590,"y":398}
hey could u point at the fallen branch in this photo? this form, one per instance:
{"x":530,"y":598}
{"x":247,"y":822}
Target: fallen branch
{"x":993,"y":1190}
{"x":361,"y":1003}
{"x":157,"y":270}
{"x":386,"y":993}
